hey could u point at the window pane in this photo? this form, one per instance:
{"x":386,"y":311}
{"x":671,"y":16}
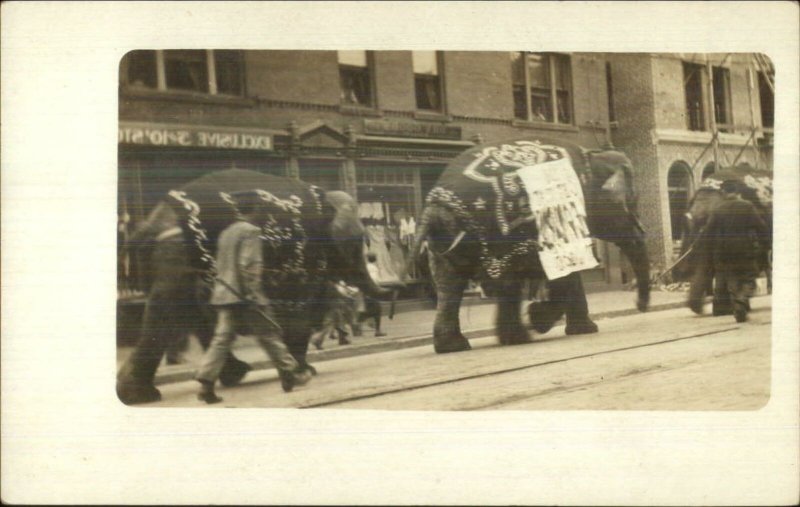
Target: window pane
{"x":538,"y":71}
{"x":228,"y":66}
{"x":767,"y":100}
{"x":520,"y":107}
{"x":355,"y":84}
{"x":354,"y":58}
{"x":562,"y":72}
{"x":517,"y":68}
{"x":540,"y":106}
{"x":425,"y":62}
{"x":427,"y":90}
{"x":186,"y":70}
{"x":141,"y":69}
{"x":693,"y":88}
{"x":564,"y":110}
{"x":721,"y":95}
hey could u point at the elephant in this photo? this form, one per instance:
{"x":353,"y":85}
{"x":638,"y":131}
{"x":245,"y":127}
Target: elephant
{"x":695,"y":262}
{"x":312,"y":238}
{"x":480,"y":222}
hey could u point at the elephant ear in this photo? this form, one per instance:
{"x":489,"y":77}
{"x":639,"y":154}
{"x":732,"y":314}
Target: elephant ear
{"x":345,"y":223}
{"x":612,"y":173}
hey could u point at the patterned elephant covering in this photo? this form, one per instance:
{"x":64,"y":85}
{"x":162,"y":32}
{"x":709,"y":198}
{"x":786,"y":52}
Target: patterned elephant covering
{"x":293,"y":236}
{"x":758,"y":184}
{"x":518,"y":197}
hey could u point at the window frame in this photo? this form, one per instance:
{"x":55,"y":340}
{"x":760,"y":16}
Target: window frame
{"x":439,"y":77}
{"x":762,"y":80}
{"x":702,"y":124}
{"x":370,"y":71}
{"x":726,"y":99}
{"x":551,"y":92}
{"x":161,"y":76}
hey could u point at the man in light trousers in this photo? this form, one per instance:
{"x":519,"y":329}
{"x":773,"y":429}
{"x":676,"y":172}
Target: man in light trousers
{"x":240,"y":302}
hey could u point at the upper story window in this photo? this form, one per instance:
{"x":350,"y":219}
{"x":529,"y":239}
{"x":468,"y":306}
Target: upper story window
{"x":721,"y":78}
{"x":693,"y":90}
{"x":427,"y":80}
{"x":215,"y":72}
{"x":355,"y":77}
{"x":542,"y":87}
{"x":612,"y":114}
{"x":766,"y":96}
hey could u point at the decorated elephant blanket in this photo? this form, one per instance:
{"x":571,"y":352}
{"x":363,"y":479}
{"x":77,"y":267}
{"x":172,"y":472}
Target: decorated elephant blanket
{"x":294,"y":235}
{"x":519,"y":197}
{"x":757,"y":184}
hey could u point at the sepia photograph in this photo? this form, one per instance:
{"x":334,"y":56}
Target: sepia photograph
{"x":325,"y":228}
{"x":400,"y":253}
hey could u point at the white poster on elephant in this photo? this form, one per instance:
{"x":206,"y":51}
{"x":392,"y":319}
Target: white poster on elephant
{"x":556,"y":201}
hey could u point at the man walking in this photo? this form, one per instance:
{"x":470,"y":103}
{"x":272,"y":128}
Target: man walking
{"x":735,"y":231}
{"x":240,"y":302}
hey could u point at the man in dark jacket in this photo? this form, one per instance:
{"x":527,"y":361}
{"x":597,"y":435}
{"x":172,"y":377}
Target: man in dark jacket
{"x":735,"y":231}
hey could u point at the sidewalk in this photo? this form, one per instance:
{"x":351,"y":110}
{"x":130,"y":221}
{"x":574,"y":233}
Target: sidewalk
{"x":411,"y":328}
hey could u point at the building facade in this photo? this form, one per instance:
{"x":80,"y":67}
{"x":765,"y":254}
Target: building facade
{"x":382,"y":125}
{"x":678,"y":117}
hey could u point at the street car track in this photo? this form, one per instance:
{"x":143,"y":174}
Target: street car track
{"x":455,"y":380}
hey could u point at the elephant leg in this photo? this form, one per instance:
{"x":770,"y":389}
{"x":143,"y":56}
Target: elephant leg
{"x":510,"y":330}
{"x":722,"y":303}
{"x":544,"y":314}
{"x":450,"y":288}
{"x":297,"y":335}
{"x":569,"y":292}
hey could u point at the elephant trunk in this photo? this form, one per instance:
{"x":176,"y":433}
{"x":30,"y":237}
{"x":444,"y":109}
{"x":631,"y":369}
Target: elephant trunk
{"x":636,"y":252}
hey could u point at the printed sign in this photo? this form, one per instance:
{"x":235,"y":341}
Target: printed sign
{"x":191,"y":136}
{"x":408,"y":129}
{"x":556,"y":201}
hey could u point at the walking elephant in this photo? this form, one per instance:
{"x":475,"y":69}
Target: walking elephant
{"x":695,"y":261}
{"x":310,"y":238}
{"x":525,"y":209}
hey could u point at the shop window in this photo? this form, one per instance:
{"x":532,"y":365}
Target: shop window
{"x":767,"y":99}
{"x":721,"y":78}
{"x":322,"y":173}
{"x":679,"y":187}
{"x":200,"y":71}
{"x":387,"y":208}
{"x":542,"y":87}
{"x":427,"y":80}
{"x":693,"y":89}
{"x":355,"y":77}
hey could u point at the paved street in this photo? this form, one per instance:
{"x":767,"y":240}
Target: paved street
{"x":666,"y":360}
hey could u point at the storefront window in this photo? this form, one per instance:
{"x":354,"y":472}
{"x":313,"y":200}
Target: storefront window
{"x":386,"y":196}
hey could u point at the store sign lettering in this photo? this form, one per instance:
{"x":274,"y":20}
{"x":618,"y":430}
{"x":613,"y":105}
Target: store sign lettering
{"x":407,"y":129}
{"x":159,"y":136}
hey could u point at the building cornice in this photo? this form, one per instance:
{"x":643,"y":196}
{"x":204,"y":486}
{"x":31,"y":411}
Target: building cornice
{"x":693,"y":137}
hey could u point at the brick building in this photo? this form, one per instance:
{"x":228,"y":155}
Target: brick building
{"x":382,"y":125}
{"x":662,"y":115}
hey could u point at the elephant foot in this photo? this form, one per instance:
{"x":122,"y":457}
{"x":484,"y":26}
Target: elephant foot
{"x":304,"y":366}
{"x":696,"y":307}
{"x":515,"y":336}
{"x":543,"y":315}
{"x":642,"y":304}
{"x":135,"y":393}
{"x":233,"y":372}
{"x":457,"y":343}
{"x":586,"y":327}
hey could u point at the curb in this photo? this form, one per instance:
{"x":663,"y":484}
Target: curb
{"x":399,"y":343}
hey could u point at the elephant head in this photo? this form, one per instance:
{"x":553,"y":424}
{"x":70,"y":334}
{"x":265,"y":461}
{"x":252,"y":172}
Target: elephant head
{"x":611,"y":215}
